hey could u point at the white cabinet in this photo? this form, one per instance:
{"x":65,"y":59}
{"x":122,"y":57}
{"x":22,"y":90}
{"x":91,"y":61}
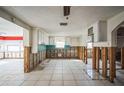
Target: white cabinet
{"x":43,"y":38}
{"x":51,"y":40}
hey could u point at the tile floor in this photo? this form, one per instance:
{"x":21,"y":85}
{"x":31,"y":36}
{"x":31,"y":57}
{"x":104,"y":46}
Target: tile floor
{"x":56,"y":72}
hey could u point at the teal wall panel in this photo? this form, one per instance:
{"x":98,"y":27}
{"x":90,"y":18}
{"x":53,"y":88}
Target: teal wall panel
{"x":41,"y":47}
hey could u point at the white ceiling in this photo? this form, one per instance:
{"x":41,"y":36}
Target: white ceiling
{"x":9,"y":29}
{"x":49,"y":17}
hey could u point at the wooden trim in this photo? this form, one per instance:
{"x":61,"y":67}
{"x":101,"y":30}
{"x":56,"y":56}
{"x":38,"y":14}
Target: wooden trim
{"x":97,"y":58}
{"x":94,"y":58}
{"x":112,"y":70}
{"x":104,"y":62}
{"x":85,"y":55}
{"x":80,"y":52}
{"x":27,"y":59}
{"x":35,"y":59}
{"x":122,"y":58}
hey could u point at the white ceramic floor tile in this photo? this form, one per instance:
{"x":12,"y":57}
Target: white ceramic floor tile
{"x":70,"y":83}
{"x":46,"y":77}
{"x":12,"y":83}
{"x":82,"y":83}
{"x":56,"y":83}
{"x":57,"y":77}
{"x":28,"y":83}
{"x":68,"y":77}
{"x":42,"y":83}
{"x":55,"y":72}
{"x":34,"y":77}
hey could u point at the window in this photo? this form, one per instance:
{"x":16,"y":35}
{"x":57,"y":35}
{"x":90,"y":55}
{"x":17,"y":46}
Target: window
{"x":90,"y":31}
{"x":1,"y":48}
{"x":60,"y":44}
{"x":13,"y":48}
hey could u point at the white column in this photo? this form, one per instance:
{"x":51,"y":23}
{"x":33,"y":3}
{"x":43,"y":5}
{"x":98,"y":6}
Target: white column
{"x":35,"y":40}
{"x":27,"y":37}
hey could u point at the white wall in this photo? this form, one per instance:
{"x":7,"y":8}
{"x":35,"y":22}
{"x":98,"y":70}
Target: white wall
{"x":51,"y":40}
{"x":27,"y":38}
{"x":75,"y":41}
{"x":43,"y":37}
{"x":39,"y":36}
{"x":35,"y":39}
{"x":112,"y":23}
{"x":100,"y":31}
{"x":84,"y":37}
{"x":69,"y":40}
{"x":109,"y":38}
{"x":95,"y":31}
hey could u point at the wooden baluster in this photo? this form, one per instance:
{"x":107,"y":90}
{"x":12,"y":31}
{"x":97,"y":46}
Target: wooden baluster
{"x":86,"y":55}
{"x":104,"y":62}
{"x":122,"y":57}
{"x":94,"y":58}
{"x":97,"y":58}
{"x":26,"y":59}
{"x":83,"y":54}
{"x":112,"y":65}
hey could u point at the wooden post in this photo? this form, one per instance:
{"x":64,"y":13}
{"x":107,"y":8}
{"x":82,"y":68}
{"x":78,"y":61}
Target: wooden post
{"x":26,"y":59}
{"x":112,"y":68}
{"x":33,"y":60}
{"x":104,"y":62}
{"x":94,"y":58}
{"x":80,"y":52}
{"x":85,"y":53}
{"x":97,"y":58}
{"x":122,"y":57}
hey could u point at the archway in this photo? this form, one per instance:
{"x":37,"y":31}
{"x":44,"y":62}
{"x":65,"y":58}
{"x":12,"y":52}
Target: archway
{"x":118,"y":42}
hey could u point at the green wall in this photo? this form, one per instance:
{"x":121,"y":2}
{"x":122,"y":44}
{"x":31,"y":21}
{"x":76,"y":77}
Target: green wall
{"x":41,"y":47}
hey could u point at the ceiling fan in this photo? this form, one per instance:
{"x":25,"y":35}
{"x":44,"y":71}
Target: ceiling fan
{"x":66,"y":13}
{"x":66,"y":10}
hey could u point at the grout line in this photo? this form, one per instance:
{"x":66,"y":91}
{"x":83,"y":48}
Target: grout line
{"x":51,"y":75}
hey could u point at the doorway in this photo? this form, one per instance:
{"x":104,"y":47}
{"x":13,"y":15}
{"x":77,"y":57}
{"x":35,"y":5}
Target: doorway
{"x":11,"y":49}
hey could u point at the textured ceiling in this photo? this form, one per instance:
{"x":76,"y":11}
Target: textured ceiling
{"x":9,"y":29}
{"x":49,"y":17}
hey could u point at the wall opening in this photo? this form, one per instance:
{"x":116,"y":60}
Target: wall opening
{"x":11,"y":47}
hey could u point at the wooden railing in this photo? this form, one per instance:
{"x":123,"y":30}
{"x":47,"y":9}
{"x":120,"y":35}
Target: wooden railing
{"x":12,"y":54}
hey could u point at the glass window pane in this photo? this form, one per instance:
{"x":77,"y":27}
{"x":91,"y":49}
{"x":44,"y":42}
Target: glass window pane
{"x":60,"y":44}
{"x":13,"y":48}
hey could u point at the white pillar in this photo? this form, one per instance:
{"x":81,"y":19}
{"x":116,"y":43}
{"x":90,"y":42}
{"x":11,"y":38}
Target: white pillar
{"x":27,"y":37}
{"x":35,"y":39}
